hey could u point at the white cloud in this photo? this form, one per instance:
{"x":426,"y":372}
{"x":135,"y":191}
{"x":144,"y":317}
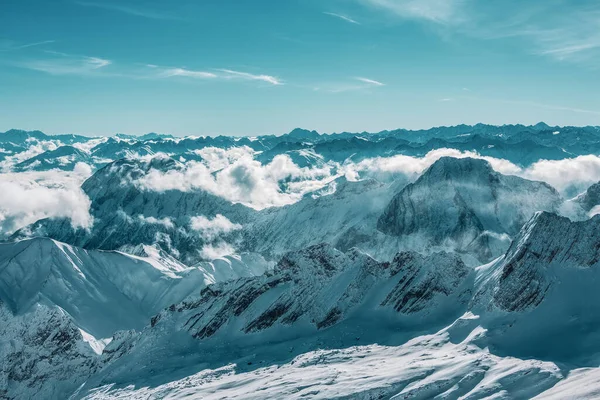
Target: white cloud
{"x":168,"y":72}
{"x":216,"y":250}
{"x":438,"y":11}
{"x":567,"y":176}
{"x":82,"y":169}
{"x":210,"y":229}
{"x":575,"y":174}
{"x":230,"y":74}
{"x":562,"y":30}
{"x":370,"y":81}
{"x":236,"y":176}
{"x":30,"y":196}
{"x":166,"y":222}
{"x":245,"y":180}
{"x":7,"y":45}
{"x":216,"y":158}
{"x":67,"y":64}
{"x":341,"y":87}
{"x":57,"y":63}
{"x":342,"y":17}
{"x":139,"y":12}
{"x":382,"y":167}
{"x":156,"y":71}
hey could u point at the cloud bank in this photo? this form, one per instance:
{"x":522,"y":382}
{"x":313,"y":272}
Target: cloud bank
{"x":244,"y":180}
{"x":30,"y":196}
{"x":212,"y":228}
{"x":236,"y":176}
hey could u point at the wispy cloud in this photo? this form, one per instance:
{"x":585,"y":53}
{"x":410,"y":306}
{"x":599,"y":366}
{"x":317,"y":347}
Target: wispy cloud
{"x":342,"y":17}
{"x":57,"y":63}
{"x":157,"y":72}
{"x":169,"y":72}
{"x":563,"y":30}
{"x":553,"y":107}
{"x":357,"y":83}
{"x":66,"y":64}
{"x":230,"y":74}
{"x":129,"y":9}
{"x":438,"y":11}
{"x":7,"y":45}
{"x":446,"y":99}
{"x":369,"y":81}
{"x":535,"y":104}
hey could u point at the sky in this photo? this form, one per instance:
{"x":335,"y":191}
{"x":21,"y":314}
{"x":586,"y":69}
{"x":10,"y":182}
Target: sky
{"x":192,"y":67}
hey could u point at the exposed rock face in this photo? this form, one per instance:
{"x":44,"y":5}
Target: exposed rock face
{"x":547,"y":248}
{"x":419,"y":286}
{"x":43,"y":354}
{"x":463,"y":204}
{"x":320,"y":287}
{"x":590,"y":198}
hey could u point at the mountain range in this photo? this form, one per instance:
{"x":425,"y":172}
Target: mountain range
{"x":457,"y":262}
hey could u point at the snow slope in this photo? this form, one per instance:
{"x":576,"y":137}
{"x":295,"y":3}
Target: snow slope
{"x":519,"y":327}
{"x":60,"y":305}
{"x":344,"y":214}
{"x":103,"y":291}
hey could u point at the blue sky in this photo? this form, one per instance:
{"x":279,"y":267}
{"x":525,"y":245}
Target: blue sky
{"x":266,"y":66}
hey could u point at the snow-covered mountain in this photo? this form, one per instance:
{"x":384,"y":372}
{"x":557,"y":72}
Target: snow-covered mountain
{"x":464,"y":204}
{"x":126,"y":215}
{"x":454,"y":330}
{"x":64,"y":157}
{"x":541,"y":295}
{"x":102,"y":291}
{"x":522,"y":145}
{"x":474,"y":210}
{"x":60,"y":305}
{"x":344,"y":214}
{"x":398,"y":264}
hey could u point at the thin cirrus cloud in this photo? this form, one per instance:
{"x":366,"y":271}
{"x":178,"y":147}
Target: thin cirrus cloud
{"x":357,"y":84}
{"x":342,"y":17}
{"x":129,"y":9}
{"x":230,"y":74}
{"x":170,"y":72}
{"x":561,"y":30}
{"x":528,"y":103}
{"x":223,"y":74}
{"x":445,"y":12}
{"x":369,"y":81}
{"x":66,"y":64}
{"x":8,"y":45}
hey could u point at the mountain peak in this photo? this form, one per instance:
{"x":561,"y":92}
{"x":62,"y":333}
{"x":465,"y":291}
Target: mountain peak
{"x":299,"y":133}
{"x":450,"y":167}
{"x":541,"y":126}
